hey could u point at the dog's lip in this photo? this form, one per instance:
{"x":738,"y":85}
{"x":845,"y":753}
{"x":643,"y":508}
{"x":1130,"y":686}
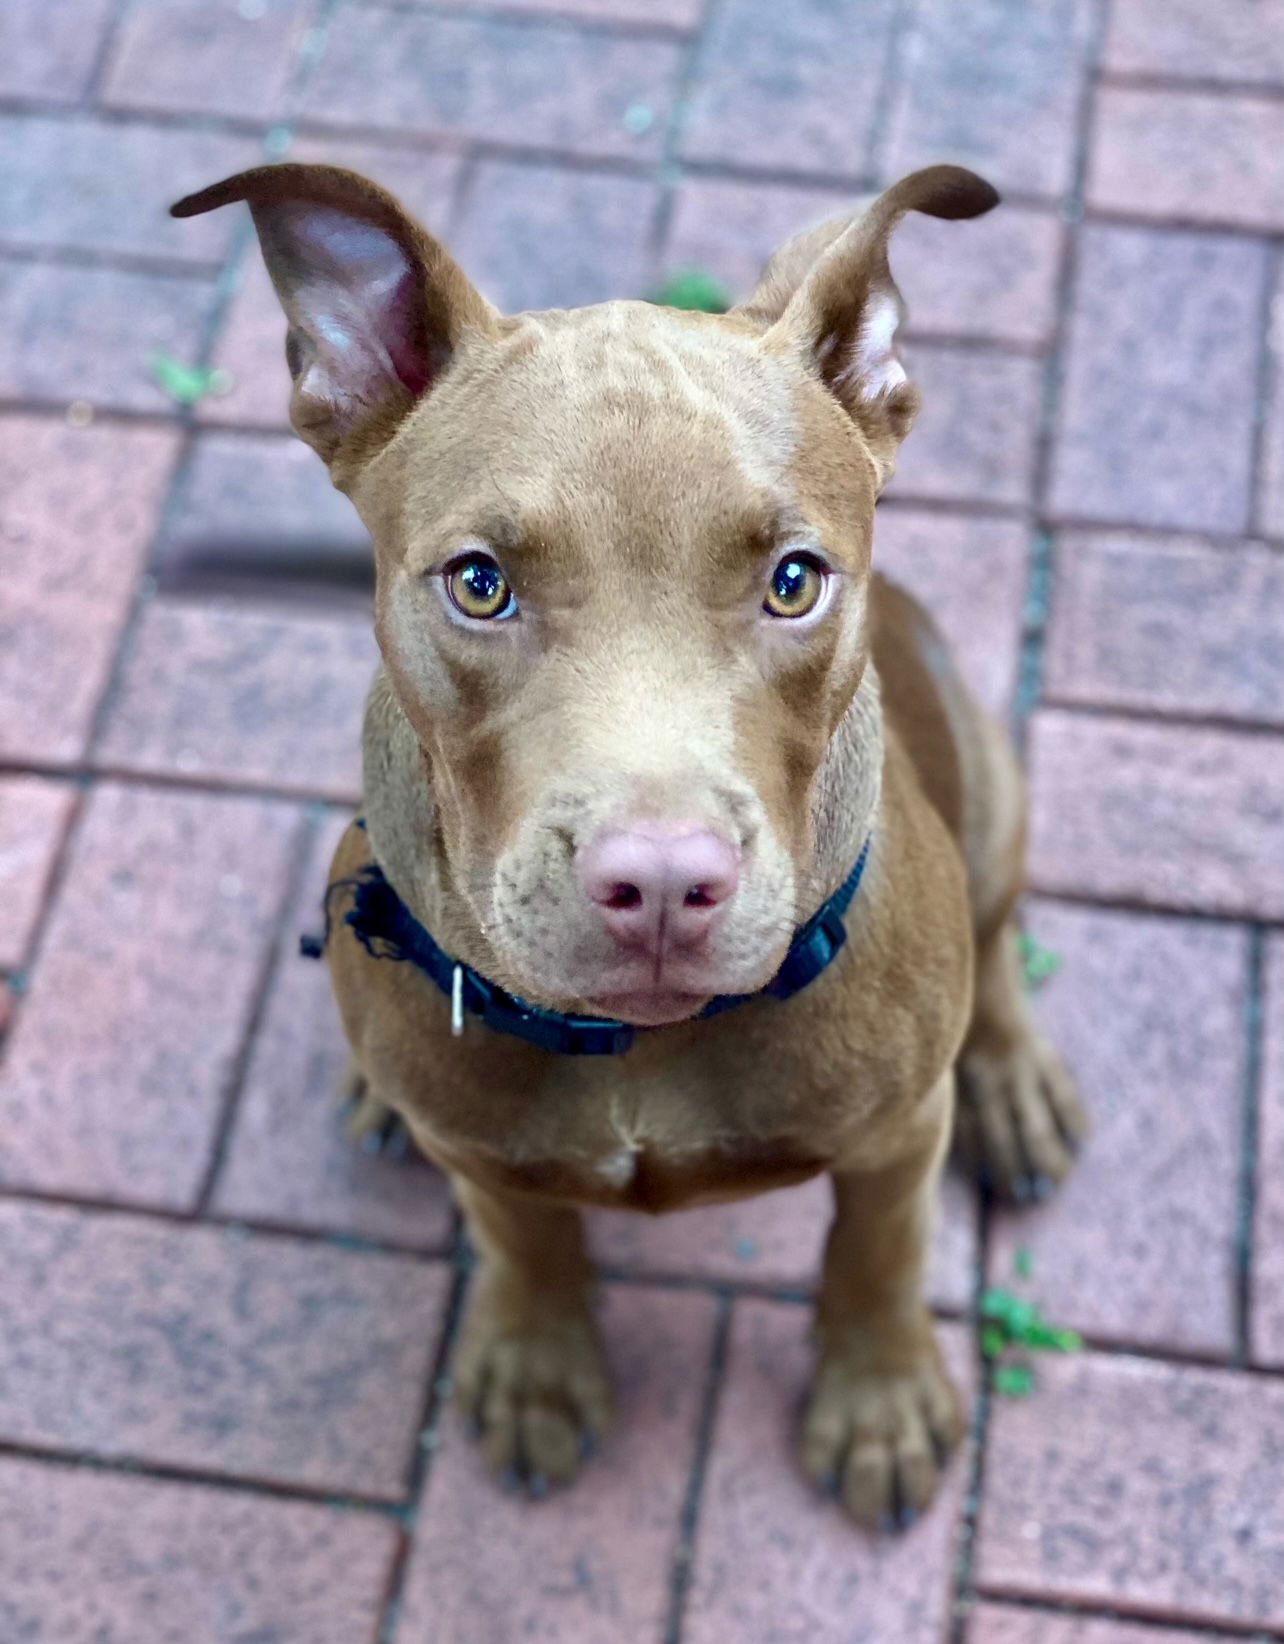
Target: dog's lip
{"x":650,"y":1007}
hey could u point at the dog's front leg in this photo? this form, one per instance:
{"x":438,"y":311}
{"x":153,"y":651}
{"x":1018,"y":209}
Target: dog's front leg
{"x":883,"y":1414}
{"x":529,"y":1371}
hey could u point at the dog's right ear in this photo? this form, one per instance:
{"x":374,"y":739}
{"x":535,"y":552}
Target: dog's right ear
{"x":375,"y":307}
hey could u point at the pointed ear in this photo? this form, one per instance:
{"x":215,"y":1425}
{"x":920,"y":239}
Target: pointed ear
{"x":375,"y":307}
{"x":829,"y":298}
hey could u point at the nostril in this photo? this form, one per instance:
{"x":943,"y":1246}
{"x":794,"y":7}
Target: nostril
{"x":699,"y":897}
{"x":623,"y":897}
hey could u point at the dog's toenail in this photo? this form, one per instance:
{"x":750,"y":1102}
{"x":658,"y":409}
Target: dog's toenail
{"x":509,"y":1479}
{"x":886,"y":1524}
{"x":537,"y":1486}
{"x":907,"y":1518}
{"x":1021,"y":1189}
{"x":588,"y":1445}
{"x":1041,"y":1186}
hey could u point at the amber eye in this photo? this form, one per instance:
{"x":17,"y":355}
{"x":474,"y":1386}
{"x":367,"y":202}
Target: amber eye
{"x":796,"y":586}
{"x":479,"y":589}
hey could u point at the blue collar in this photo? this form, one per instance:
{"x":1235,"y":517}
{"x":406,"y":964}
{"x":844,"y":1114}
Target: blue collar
{"x":387,"y":929}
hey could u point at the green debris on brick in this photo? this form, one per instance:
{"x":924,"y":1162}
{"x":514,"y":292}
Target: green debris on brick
{"x":1014,"y":1381}
{"x":692,"y":288}
{"x":1037,"y":962}
{"x":1023,"y":1263}
{"x":188,"y":383}
{"x":1012,"y":1328}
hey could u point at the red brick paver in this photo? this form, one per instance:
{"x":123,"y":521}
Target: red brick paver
{"x":88,"y":1557}
{"x":80,"y":507}
{"x":288,"y":1159}
{"x":556,"y":86}
{"x":1167,"y":626}
{"x":1143,"y":1487}
{"x":1169,"y":815}
{"x":773,"y":1560}
{"x":116,"y":1074}
{"x":33,"y":818}
{"x":789,"y":90}
{"x":970,"y":571}
{"x":90,"y":335}
{"x":271,"y":699}
{"x":1186,"y":38}
{"x":1149,"y":1013}
{"x":996,"y":87}
{"x":39,"y":62}
{"x":975,"y":438}
{"x":1156,"y":422}
{"x":55,"y":196}
{"x":593,"y":1561}
{"x":206,"y":56}
{"x":204,"y":1348}
{"x":540,"y":237}
{"x":1190,"y":156}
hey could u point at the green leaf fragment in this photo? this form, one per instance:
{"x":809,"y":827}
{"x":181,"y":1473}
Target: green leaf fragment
{"x":1014,"y":1381}
{"x":693,"y":289}
{"x":1037,"y":961}
{"x":993,"y":1341}
{"x":187,"y":383}
{"x":1023,"y":1263}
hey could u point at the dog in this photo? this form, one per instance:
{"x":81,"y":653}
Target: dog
{"x":688,"y":865}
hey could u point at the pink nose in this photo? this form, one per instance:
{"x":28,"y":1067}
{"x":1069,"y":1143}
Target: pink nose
{"x":658,"y":888}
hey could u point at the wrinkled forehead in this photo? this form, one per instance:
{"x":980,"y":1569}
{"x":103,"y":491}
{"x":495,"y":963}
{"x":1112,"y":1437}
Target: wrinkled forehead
{"x":626,"y":418}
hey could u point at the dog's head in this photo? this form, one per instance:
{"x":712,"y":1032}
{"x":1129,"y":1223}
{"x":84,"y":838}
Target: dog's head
{"x":622,"y":560}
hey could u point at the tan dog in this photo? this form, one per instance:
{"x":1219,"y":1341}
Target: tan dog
{"x":643,"y":706}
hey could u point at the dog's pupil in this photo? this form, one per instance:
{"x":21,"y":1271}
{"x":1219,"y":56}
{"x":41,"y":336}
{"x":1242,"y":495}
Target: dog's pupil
{"x":791,"y":580}
{"x":482,"y":581}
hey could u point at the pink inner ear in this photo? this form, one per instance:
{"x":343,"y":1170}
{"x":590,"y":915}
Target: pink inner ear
{"x":353,"y":292}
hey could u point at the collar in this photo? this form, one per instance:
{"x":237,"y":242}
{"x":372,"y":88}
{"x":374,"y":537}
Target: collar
{"x":387,"y":929}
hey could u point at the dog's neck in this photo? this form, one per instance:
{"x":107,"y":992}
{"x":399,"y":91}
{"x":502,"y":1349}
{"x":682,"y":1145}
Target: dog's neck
{"x":406,"y":837}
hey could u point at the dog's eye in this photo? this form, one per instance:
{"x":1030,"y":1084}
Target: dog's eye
{"x":479,"y":589}
{"x":796,"y":586}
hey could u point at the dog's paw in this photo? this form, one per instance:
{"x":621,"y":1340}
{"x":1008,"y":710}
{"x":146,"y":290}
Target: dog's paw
{"x":1020,"y":1120}
{"x":879,"y":1439}
{"x":538,"y":1400}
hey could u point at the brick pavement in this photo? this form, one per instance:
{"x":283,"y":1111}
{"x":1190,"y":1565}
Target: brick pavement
{"x":225,"y":1335}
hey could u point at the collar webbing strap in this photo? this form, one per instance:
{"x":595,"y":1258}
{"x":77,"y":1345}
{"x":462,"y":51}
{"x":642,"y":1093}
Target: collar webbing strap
{"x":387,"y":929}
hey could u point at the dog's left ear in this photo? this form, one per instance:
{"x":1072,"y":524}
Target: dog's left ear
{"x":375,"y":307}
{"x":828,"y":298}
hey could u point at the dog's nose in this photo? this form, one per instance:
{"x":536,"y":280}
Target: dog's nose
{"x":659,"y":888}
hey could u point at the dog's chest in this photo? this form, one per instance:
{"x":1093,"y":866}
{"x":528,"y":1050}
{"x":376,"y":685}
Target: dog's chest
{"x":655,"y":1152}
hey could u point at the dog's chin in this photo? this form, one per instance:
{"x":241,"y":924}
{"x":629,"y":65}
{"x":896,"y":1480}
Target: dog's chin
{"x":653,"y":1007}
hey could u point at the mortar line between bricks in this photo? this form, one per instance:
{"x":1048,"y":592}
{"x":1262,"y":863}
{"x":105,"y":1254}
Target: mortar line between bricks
{"x":965,"y":1535}
{"x":1254,"y":1026}
{"x":109,"y":114}
{"x":904,"y":17}
{"x":256,"y":1227}
{"x":627,"y":28}
{"x":1159,"y":714}
{"x":91,"y":259}
{"x":103,"y":56}
{"x":1143,"y":1616}
{"x":668,"y":171}
{"x":683,"y":1565}
{"x":274,"y":951}
{"x":1230,"y":90}
{"x":225,"y":1483}
{"x":1041,"y":560}
{"x":1268,"y":380}
{"x":1113,"y":1609}
{"x":426,"y":1443}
